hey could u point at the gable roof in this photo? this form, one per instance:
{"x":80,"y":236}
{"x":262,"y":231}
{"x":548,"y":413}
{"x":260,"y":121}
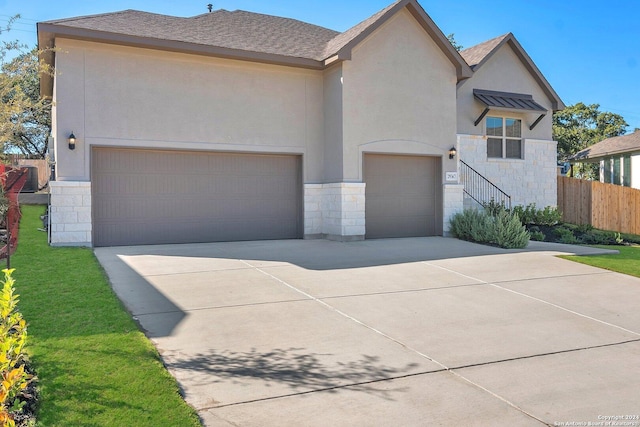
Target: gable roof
{"x":617,"y":145}
{"x":238,"y":35}
{"x":477,"y":56}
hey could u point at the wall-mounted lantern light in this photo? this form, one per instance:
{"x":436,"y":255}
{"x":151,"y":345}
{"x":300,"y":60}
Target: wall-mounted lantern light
{"x":72,"y":141}
{"x":452,"y":152}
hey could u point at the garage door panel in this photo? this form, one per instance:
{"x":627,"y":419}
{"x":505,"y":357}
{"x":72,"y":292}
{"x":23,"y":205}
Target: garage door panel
{"x":152,"y":197}
{"x":402,"y":195}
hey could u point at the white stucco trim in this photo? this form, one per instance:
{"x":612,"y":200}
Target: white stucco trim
{"x":70,"y":213}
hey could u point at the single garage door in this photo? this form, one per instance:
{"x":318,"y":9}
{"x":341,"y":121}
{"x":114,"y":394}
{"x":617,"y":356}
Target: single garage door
{"x":403,"y":196}
{"x":156,"y":197}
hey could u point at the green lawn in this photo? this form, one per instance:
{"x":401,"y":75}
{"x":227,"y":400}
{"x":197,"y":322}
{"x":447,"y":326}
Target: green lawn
{"x":627,"y":262}
{"x":95,"y":367}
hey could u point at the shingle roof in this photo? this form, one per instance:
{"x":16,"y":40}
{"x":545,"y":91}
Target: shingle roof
{"x":236,"y":35}
{"x":616,"y":145}
{"x":342,"y":39}
{"x":476,"y":54}
{"x":247,"y":31}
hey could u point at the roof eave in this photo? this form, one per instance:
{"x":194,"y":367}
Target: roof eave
{"x":601,"y":156}
{"x":556,"y":102}
{"x":47,"y":33}
{"x":463,"y":71}
{"x":47,"y":55}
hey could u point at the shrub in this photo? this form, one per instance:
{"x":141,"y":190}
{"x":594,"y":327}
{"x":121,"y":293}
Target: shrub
{"x":548,"y":216}
{"x":584,"y":228}
{"x":508,"y":231}
{"x":13,"y":337}
{"x":493,"y":208}
{"x":537,"y":235}
{"x":565,"y":235}
{"x":503,"y":229}
{"x":531,"y":215}
{"x":472,"y":225}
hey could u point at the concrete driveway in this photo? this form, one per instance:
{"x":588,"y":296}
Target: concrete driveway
{"x":425,"y":331}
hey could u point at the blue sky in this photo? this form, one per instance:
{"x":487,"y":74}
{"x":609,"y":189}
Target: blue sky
{"x":588,"y":50}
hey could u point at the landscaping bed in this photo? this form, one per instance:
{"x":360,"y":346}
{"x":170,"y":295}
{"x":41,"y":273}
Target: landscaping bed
{"x":579,"y":235}
{"x":512,"y":228}
{"x":94,"y":366}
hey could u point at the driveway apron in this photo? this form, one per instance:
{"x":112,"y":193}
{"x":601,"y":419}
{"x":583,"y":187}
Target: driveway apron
{"x":419,"y":331}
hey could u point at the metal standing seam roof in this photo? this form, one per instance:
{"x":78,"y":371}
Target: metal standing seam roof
{"x":477,"y":56}
{"x":508,"y":100}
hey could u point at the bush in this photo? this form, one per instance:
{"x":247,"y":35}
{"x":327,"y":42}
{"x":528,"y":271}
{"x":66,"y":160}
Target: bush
{"x":531,"y":215}
{"x":537,"y":235}
{"x":508,"y":231}
{"x":503,"y":229}
{"x":565,"y":235}
{"x":493,"y":208}
{"x":13,"y":337}
{"x":472,"y":225}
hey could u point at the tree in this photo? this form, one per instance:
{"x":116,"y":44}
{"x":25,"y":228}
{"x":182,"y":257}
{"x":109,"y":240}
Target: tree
{"x":579,"y":126}
{"x":454,"y":43}
{"x":25,"y":116}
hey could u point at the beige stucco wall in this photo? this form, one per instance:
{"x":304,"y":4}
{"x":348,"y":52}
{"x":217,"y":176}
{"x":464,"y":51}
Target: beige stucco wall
{"x":124,"y":96}
{"x":333,"y":126}
{"x":503,"y":72}
{"x":399,"y":96}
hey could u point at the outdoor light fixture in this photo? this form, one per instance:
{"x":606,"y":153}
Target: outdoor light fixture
{"x":452,"y":152}
{"x":72,"y":141}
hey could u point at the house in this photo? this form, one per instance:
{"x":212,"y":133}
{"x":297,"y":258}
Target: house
{"x":619,"y":159}
{"x":504,"y":124}
{"x":242,"y":126}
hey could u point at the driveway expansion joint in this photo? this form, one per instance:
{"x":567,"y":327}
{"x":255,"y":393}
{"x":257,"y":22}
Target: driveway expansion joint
{"x":406,"y":346}
{"x":551,"y":353}
{"x":495,"y":285}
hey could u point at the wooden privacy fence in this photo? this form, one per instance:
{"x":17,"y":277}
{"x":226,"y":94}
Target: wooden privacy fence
{"x":604,"y":206}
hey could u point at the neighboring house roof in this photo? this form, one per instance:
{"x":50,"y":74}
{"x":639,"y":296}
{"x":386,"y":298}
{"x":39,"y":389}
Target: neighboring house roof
{"x":237,"y":35}
{"x":617,"y":145}
{"x":477,"y":56}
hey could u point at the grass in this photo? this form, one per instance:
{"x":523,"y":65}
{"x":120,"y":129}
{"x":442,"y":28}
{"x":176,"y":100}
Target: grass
{"x":95,"y":367}
{"x":627,"y":262}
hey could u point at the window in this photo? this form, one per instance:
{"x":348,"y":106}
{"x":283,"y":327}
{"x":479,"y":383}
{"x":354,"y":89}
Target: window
{"x":504,"y":138}
{"x":626,"y":171}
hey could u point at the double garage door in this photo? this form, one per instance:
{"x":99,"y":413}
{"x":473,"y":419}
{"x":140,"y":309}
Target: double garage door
{"x":156,"y":197}
{"x":403,"y":196}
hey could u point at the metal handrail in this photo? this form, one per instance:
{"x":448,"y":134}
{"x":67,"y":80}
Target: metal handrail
{"x":480,"y":188}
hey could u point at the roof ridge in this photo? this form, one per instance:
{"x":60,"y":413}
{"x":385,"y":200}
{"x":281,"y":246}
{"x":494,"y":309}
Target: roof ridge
{"x":97,"y":15}
{"x":266,"y":15}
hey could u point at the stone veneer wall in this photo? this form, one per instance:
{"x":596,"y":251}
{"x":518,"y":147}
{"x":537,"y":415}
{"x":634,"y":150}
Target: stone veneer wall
{"x":70,"y":213}
{"x":530,"y":180}
{"x":335,"y":211}
{"x":453,"y":201}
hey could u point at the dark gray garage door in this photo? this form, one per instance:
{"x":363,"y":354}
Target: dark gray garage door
{"x":154,"y":197}
{"x":403,"y":196}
